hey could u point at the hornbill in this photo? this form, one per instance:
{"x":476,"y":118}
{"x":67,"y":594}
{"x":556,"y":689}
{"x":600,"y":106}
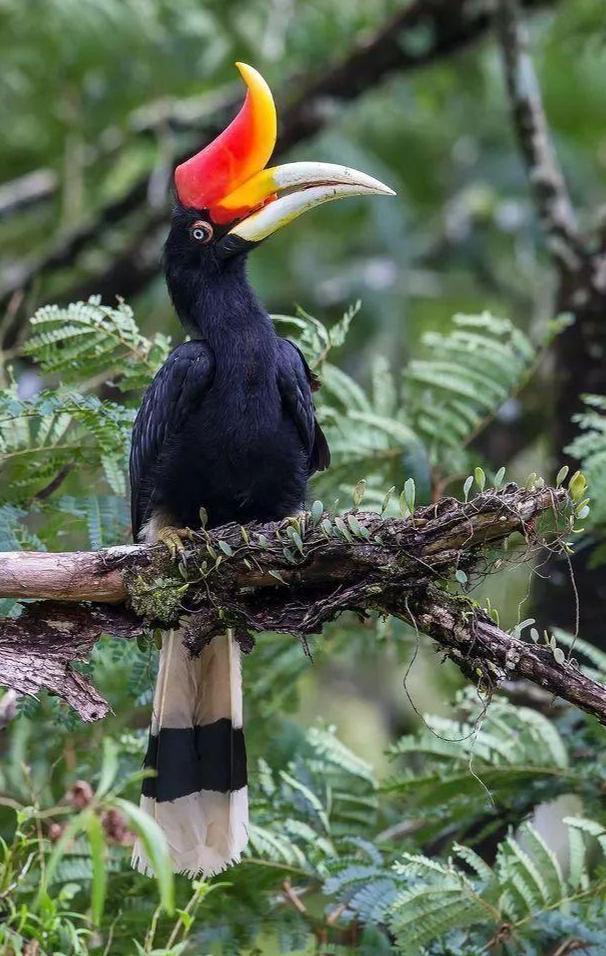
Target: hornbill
{"x":227,"y":426}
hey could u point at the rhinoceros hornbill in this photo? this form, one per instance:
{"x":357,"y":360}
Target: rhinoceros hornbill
{"x":227,"y":425}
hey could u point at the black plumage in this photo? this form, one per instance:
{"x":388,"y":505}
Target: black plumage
{"x":228,"y":426}
{"x":228,"y":423}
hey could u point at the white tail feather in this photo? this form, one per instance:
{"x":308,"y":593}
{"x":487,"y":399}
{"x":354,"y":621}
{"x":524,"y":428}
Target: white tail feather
{"x":206,"y":830}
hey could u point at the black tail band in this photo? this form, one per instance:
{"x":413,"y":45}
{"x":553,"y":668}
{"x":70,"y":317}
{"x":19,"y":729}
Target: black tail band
{"x":190,"y":759}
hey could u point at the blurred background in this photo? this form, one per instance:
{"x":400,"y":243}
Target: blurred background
{"x":100,"y":98}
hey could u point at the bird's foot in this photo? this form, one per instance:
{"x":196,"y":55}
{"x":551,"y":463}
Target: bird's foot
{"x":174,"y":538}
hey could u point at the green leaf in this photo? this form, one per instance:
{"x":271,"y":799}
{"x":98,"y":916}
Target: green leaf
{"x":309,"y":796}
{"x":577,"y":486}
{"x":591,"y":827}
{"x":317,"y":510}
{"x":387,"y":499}
{"x":295,"y":537}
{"x":410,"y":493}
{"x":358,"y":530}
{"x":109,"y":767}
{"x":156,"y":849}
{"x":358,"y":492}
{"x":96,"y":839}
{"x":480,"y":478}
{"x":76,"y":825}
{"x":342,"y":528}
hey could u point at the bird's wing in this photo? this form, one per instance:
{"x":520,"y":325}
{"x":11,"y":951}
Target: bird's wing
{"x":296,"y":382}
{"x":176,"y":391}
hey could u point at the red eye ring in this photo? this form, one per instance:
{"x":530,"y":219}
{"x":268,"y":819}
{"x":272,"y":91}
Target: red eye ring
{"x":201,"y":231}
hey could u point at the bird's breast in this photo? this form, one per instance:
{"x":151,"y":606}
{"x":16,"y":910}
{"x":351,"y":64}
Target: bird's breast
{"x":240,"y":457}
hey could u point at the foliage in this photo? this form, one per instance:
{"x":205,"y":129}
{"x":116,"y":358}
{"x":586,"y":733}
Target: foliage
{"x":498,"y":762}
{"x":325,"y":862}
{"x":322,"y":864}
{"x":346,"y":855}
{"x":390,"y":427}
{"x":423,"y":423}
{"x":58,"y":431}
{"x":525,"y":884}
{"x":589,"y":447}
{"x":58,"y":852}
{"x":88,"y":340}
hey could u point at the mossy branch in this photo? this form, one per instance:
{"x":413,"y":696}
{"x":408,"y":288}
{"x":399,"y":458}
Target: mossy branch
{"x":294,"y":577}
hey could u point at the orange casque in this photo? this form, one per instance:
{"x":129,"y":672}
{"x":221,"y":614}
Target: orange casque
{"x":216,"y":177}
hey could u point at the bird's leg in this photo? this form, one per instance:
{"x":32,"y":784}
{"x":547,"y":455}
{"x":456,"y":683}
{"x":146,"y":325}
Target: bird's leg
{"x":174,"y":539}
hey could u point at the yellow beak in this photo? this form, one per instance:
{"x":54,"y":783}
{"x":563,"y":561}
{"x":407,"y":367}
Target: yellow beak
{"x":282,"y":193}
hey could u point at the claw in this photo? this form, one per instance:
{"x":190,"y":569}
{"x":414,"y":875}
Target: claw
{"x":173,"y":538}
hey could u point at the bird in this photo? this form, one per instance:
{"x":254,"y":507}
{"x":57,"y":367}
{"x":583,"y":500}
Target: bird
{"x":227,"y":429}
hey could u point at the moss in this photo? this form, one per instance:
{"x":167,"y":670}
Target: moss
{"x":157,"y":599}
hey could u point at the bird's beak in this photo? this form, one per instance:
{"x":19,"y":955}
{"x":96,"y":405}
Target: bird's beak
{"x":228,"y":179}
{"x":280,"y":194}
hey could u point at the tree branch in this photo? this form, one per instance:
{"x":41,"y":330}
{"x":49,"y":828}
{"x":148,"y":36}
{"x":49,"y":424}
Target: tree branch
{"x":425,"y":31}
{"x":552,"y":199}
{"x":28,"y":190}
{"x":293,"y":577}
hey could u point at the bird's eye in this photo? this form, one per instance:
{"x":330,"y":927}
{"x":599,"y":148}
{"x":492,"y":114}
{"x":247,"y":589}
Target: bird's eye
{"x":201,"y":231}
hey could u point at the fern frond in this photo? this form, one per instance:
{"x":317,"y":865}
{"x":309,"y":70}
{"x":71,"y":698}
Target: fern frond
{"x":444,"y":401}
{"x":525,"y":888}
{"x":86,"y":340}
{"x":509,"y":749}
{"x":41,"y":436}
{"x":325,"y":742}
{"x":471,"y":372}
{"x":431,"y":909}
{"x":589,"y":448}
{"x":584,"y":649}
{"x":546,"y":862}
{"x":578,"y":876}
{"x":275,"y":847}
{"x":476,"y":864}
{"x":14,"y":534}
{"x":590,"y":827}
{"x":518,"y":870}
{"x":314,"y":339}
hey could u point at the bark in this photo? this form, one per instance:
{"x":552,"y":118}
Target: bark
{"x":39,"y":650}
{"x":293,"y":577}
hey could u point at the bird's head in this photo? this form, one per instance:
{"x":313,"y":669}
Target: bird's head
{"x":229,"y":200}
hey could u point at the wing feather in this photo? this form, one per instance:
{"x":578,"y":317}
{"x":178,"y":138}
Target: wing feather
{"x":296,"y":382}
{"x":176,"y":392}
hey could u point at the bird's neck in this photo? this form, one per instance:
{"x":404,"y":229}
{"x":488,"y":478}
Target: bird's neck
{"x":222,"y":308}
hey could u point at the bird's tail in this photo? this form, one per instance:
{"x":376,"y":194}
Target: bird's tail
{"x":196,"y":746}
